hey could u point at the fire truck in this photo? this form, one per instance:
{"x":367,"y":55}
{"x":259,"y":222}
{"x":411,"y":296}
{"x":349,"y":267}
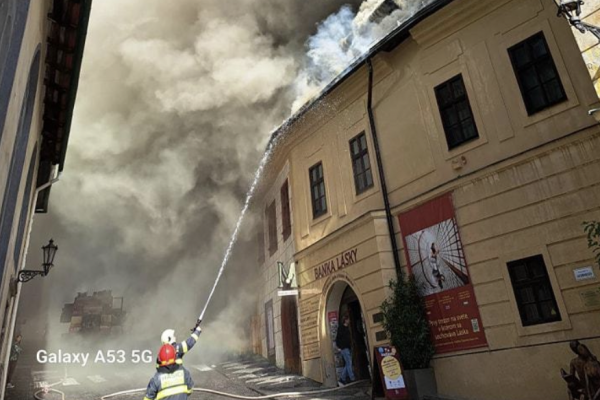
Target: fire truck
{"x":99,"y":313}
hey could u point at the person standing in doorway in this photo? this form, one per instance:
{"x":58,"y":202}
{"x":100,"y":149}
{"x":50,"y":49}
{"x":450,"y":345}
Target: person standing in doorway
{"x":15,"y":351}
{"x":343,"y":343}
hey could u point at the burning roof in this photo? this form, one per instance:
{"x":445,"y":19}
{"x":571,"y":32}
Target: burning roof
{"x":389,"y":42}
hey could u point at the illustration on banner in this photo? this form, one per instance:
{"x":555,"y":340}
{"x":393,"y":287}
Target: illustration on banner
{"x":436,"y":258}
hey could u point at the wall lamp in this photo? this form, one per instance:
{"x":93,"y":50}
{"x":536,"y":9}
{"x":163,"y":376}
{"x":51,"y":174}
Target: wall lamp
{"x":49,"y":253}
{"x":571,"y":10}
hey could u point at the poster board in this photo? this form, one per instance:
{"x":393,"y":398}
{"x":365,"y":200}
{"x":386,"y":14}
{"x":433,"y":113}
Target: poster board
{"x":436,"y":258}
{"x":332,"y":317}
{"x":388,"y":378}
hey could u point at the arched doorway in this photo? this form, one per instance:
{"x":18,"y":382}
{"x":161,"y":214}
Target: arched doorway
{"x":343,"y":301}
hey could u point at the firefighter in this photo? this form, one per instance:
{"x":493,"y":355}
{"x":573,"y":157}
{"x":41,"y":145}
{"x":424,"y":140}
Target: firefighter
{"x":168,"y":337}
{"x":171,"y":380}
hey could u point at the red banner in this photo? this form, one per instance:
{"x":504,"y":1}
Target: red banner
{"x":436,"y":259}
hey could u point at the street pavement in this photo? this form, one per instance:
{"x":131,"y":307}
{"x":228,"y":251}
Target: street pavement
{"x":257,"y":374}
{"x":252,"y":376}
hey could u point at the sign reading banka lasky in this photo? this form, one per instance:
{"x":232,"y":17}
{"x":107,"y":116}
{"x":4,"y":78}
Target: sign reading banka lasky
{"x":342,"y":261}
{"x":435,"y":255}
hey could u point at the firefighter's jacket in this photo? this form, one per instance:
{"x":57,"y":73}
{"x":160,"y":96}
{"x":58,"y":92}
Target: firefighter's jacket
{"x":172,"y":382}
{"x":182,"y":348}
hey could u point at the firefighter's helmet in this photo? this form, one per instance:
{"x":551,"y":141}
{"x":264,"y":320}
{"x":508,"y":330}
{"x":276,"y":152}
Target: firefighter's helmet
{"x":166,"y":355}
{"x":168,"y":336}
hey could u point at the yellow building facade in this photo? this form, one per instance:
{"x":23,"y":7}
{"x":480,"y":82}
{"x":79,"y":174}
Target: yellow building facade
{"x":517,"y":175}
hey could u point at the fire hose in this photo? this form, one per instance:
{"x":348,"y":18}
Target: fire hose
{"x":48,"y":389}
{"x":237,"y":396}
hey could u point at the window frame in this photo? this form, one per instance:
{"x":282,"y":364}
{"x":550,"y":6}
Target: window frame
{"x":260,"y":243}
{"x":367,"y":170}
{"x":444,"y":106}
{"x":534,"y":283}
{"x":271,"y":217}
{"x":534,"y":63}
{"x":286,"y":217}
{"x":317,"y":212}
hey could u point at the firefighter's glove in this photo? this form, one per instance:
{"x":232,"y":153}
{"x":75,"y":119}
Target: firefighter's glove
{"x":197,"y":326}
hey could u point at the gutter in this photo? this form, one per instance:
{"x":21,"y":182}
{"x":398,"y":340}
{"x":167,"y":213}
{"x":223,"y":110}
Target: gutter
{"x":382,"y":180}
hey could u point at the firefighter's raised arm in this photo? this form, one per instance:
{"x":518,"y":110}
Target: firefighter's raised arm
{"x":191,"y":341}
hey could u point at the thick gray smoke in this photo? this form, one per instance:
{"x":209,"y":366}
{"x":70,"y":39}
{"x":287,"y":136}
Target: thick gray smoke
{"x":174,"y":109}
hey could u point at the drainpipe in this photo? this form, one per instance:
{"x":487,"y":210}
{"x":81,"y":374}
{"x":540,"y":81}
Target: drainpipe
{"x":17,"y":286}
{"x":382,"y":182}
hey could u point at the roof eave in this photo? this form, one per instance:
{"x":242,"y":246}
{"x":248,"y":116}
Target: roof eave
{"x":83,"y":28}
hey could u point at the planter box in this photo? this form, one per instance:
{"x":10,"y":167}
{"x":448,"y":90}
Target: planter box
{"x":420,"y":383}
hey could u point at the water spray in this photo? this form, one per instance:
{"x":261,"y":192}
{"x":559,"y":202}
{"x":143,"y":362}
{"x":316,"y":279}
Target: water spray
{"x":234,"y":236}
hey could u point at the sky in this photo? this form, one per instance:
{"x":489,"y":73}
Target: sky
{"x":174,"y":109}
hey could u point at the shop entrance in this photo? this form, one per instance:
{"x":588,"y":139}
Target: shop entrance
{"x":342,"y":301}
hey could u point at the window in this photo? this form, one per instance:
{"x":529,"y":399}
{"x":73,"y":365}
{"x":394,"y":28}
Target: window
{"x":536,"y":73}
{"x":285,"y":211}
{"x":260,"y":242}
{"x":317,"y":190}
{"x":361,"y":165}
{"x":272,"y":224}
{"x":455,"y":109}
{"x":533,"y":291}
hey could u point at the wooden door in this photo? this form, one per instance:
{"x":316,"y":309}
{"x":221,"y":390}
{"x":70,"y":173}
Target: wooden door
{"x":289,"y":330}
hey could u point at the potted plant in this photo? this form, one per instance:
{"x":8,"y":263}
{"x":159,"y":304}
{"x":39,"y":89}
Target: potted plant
{"x":405,"y":321}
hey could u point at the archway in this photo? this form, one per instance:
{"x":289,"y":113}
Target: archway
{"x":343,"y":301}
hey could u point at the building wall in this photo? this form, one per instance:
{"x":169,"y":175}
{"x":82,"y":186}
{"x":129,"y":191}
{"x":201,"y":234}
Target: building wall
{"x":406,"y":108}
{"x":368,"y":272}
{"x":522,"y":188}
{"x":535,"y":206}
{"x":34,"y":34}
{"x":269,"y":270}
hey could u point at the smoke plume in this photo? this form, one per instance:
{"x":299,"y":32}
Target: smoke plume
{"x":174,"y":109}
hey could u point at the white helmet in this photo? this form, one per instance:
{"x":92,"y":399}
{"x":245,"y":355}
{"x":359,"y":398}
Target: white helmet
{"x":168,"y":336}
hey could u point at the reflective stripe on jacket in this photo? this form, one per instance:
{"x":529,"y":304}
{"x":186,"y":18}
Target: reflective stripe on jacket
{"x":173,"y":383}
